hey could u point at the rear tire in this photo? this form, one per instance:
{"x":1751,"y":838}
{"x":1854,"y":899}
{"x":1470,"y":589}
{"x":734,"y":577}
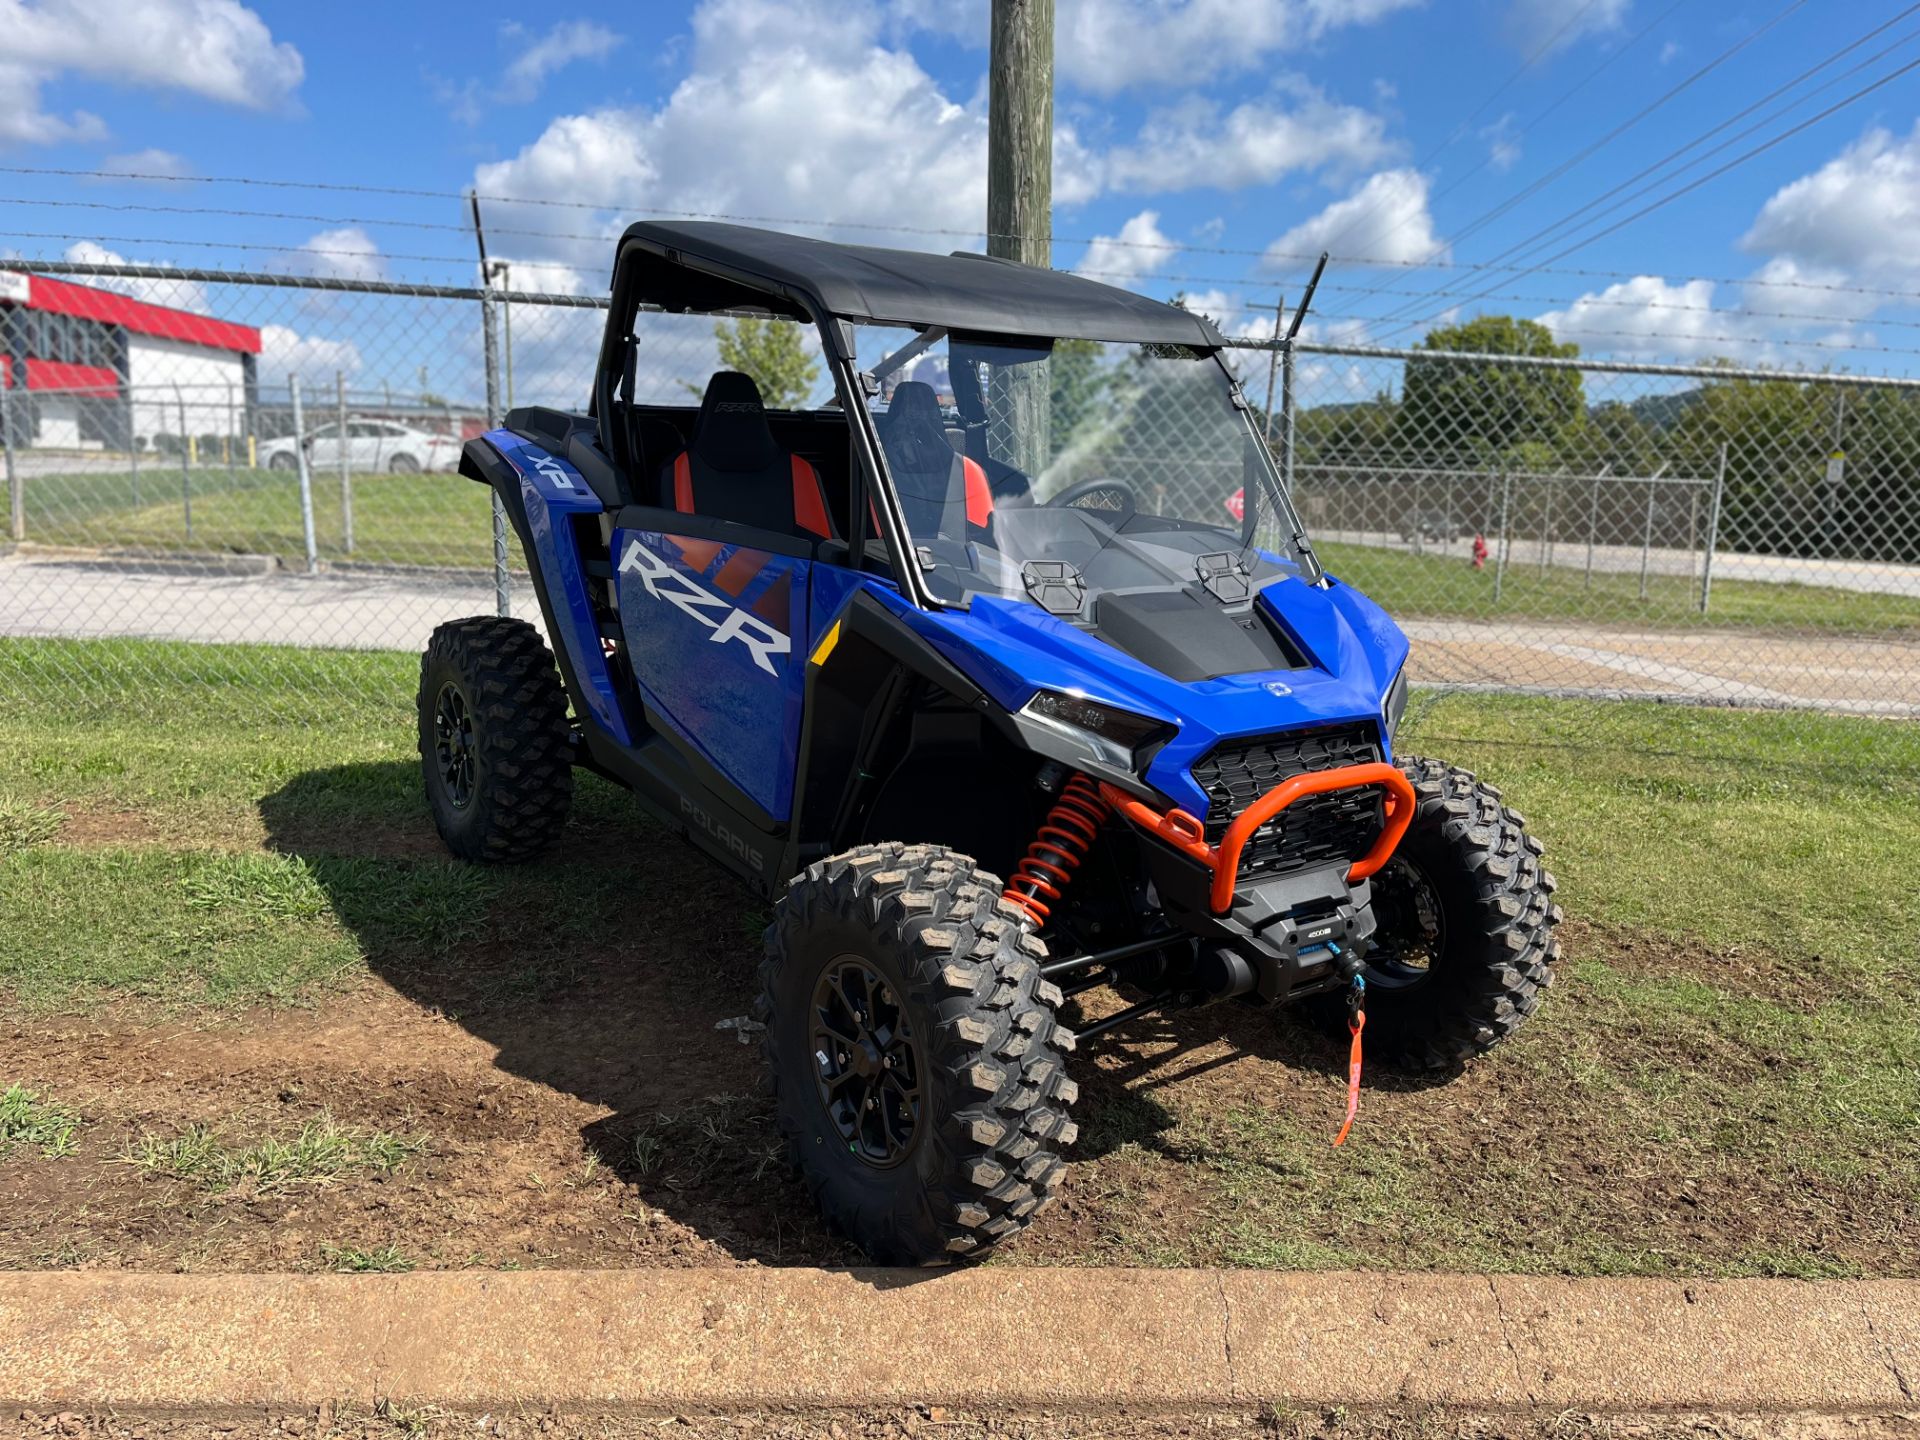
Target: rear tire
{"x":962,"y":1022}
{"x":1465,"y":945}
{"x":495,"y":747}
{"x":403,"y":465}
{"x":282,"y":461}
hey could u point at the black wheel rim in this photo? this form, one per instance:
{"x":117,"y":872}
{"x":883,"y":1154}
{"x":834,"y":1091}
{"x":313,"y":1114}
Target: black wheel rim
{"x":453,"y":744}
{"x":866,"y":1061}
{"x":1410,"y":932}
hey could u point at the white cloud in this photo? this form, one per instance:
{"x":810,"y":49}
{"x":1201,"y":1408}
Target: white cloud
{"x":789,"y":109}
{"x":799,"y":110}
{"x":217,"y":49}
{"x":535,"y":61}
{"x":152,"y":166}
{"x":1533,"y":25}
{"x":345,"y":254}
{"x":1139,"y":249}
{"x":1856,"y":214}
{"x":565,"y":43}
{"x":1503,"y":144}
{"x":285,"y":352}
{"x":1385,"y":221}
{"x":1105,"y":46}
{"x":1193,"y":144}
{"x":1649,"y":317}
{"x":180,"y":294}
{"x":1670,"y":52}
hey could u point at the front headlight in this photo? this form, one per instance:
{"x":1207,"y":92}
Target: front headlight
{"x":1114,"y":736}
{"x":1396,"y":703}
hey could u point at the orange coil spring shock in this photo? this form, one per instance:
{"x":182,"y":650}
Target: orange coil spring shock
{"x":1064,"y":838}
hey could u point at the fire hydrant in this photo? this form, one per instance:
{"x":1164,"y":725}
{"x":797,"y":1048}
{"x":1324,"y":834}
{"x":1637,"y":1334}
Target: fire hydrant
{"x":1479,"y":552}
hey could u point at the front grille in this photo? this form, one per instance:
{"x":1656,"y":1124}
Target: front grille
{"x":1316,"y":830}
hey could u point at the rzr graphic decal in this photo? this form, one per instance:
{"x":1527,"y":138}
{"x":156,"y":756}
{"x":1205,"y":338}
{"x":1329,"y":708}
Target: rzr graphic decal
{"x":769,"y":646}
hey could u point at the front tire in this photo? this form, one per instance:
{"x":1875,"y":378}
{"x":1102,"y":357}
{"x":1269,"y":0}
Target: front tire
{"x":917,"y":1064}
{"x":495,"y":746}
{"x":1464,"y":947}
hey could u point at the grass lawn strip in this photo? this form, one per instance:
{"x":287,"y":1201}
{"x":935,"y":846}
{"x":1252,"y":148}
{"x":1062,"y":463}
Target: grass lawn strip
{"x":1724,"y":1081}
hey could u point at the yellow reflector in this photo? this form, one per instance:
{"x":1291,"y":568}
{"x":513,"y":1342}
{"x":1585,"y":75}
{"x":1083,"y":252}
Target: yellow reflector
{"x":827,"y":642}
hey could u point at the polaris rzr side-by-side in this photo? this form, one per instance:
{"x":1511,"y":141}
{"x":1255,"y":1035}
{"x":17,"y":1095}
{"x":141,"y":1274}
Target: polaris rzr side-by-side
{"x":996,"y":655}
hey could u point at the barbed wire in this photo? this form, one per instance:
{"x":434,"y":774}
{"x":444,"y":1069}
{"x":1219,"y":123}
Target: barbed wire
{"x":1266,"y":254}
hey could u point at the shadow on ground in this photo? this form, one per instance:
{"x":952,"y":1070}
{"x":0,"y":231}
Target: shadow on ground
{"x":615,"y":971}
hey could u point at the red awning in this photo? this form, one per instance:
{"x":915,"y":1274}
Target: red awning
{"x":63,"y":297}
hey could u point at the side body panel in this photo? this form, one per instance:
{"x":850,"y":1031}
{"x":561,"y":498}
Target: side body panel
{"x":716,"y":634}
{"x":551,"y":492}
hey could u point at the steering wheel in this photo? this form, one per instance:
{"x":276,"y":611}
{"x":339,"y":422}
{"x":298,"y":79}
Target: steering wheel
{"x":1114,"y":497}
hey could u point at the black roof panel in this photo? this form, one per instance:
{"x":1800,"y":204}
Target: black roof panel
{"x":911,"y":287}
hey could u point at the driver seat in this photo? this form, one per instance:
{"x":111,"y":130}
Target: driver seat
{"x":943,"y":492}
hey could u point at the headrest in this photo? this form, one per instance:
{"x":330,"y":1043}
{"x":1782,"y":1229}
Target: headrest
{"x":914,"y":403}
{"x":916,"y":434}
{"x":731,"y":430}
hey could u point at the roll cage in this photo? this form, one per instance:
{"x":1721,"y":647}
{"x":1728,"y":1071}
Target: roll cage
{"x":718,"y":269}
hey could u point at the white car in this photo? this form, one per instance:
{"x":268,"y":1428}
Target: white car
{"x":371,"y":445}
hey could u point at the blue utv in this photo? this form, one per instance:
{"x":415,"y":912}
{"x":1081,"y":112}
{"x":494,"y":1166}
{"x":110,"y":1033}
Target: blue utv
{"x":1004,"y":666}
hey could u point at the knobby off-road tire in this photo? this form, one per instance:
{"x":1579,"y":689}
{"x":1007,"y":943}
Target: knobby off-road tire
{"x":983,"y":1157}
{"x":495,"y":678}
{"x":1467,"y":894}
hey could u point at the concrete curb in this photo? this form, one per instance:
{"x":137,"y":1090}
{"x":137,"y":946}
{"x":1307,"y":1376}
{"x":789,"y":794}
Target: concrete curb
{"x":982,"y":1337}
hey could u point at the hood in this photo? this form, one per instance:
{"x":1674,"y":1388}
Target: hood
{"x":1352,"y":651}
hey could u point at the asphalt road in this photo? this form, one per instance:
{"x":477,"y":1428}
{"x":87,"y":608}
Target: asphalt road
{"x":67,"y":597}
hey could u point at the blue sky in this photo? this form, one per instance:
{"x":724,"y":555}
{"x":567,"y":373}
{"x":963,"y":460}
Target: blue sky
{"x":1201,"y":146}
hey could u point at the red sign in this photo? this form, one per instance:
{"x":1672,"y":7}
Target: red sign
{"x":1237,"y":504}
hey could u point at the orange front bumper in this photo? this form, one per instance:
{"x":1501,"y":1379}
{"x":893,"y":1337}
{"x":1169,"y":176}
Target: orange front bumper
{"x":1189,"y":836}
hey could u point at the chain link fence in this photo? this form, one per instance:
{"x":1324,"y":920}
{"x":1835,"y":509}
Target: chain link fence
{"x":210,"y":473}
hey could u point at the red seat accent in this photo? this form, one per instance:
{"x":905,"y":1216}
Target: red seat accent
{"x":979,"y":494}
{"x":810,"y":500}
{"x":683,"y":483}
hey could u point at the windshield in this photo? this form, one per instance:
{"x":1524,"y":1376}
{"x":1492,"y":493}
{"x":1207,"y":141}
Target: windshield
{"x":1057,"y":471}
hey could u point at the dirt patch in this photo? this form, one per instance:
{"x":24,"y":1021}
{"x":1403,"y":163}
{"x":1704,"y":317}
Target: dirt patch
{"x":106,"y":827}
{"x":580,"y":1108}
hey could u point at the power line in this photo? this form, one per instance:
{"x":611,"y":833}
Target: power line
{"x":1563,"y":98}
{"x":1718,"y":171}
{"x":1531,"y":243}
{"x":1489,"y":216}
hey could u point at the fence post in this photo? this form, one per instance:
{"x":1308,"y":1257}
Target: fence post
{"x":1546,"y":530}
{"x":186,"y":464}
{"x":502,"y":601}
{"x":230,"y":438}
{"x":346,"y":468}
{"x":306,"y":476}
{"x":1646,"y":539}
{"x":1593,"y":522}
{"x":133,"y":461}
{"x":1713,"y":529}
{"x":1500,"y":544}
{"x":1287,"y":418}
{"x":16,"y":496}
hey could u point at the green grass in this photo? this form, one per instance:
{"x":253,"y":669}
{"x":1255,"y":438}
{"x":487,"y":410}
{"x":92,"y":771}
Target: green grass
{"x":381,"y":1260}
{"x":443,"y":521}
{"x":1442,"y":586}
{"x":320,"y":1151}
{"x":1733,"y":1021}
{"x":30,"y":1119}
{"x":421,"y":519}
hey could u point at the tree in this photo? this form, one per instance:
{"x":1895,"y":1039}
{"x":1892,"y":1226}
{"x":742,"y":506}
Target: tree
{"x":773,"y":354}
{"x":1478,"y":410}
{"x":1077,"y":382}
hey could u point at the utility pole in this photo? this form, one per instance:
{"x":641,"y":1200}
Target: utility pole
{"x":1020,"y":200}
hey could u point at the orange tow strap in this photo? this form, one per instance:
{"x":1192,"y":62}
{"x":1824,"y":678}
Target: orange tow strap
{"x":1356,"y":1022}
